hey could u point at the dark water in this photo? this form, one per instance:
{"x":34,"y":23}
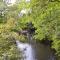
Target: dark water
{"x":42,"y":52}
{"x":35,"y":51}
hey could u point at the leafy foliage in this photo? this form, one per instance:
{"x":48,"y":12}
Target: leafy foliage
{"x":44,"y":15}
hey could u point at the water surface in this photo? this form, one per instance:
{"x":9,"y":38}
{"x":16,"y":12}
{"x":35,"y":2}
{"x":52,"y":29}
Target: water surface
{"x":35,"y":51}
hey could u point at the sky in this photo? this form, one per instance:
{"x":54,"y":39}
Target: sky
{"x":12,"y":2}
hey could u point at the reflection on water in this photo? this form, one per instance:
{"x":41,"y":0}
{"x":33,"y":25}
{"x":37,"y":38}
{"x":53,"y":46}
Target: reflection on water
{"x":27,"y":50}
{"x":35,"y":51}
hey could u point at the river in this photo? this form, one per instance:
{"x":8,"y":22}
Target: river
{"x":35,"y":51}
